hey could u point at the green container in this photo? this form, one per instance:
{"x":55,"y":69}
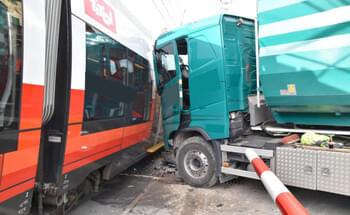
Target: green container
{"x":305,"y":60}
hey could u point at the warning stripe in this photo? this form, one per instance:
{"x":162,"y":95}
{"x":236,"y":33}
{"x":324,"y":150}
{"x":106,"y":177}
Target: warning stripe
{"x":283,"y":198}
{"x":288,"y":204}
{"x":259,"y":166}
{"x":273,"y":185}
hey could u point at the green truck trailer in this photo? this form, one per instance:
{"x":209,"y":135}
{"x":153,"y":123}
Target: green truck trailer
{"x":216,"y":101}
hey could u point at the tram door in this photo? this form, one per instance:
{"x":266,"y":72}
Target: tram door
{"x":22,"y":63}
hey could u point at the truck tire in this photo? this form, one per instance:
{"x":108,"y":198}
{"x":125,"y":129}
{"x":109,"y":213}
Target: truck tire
{"x":196,"y":162}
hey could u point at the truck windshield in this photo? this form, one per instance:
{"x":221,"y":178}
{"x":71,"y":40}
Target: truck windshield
{"x":10,"y":62}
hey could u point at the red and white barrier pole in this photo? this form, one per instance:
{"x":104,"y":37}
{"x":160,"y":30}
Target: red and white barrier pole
{"x":279,"y":193}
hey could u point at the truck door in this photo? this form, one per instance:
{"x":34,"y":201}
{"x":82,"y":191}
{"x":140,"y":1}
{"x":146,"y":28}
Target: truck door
{"x":168,"y":77}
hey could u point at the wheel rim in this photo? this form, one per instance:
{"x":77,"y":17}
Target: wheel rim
{"x":196,"y":164}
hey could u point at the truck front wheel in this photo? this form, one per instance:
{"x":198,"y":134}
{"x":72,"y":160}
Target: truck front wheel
{"x":196,"y":162}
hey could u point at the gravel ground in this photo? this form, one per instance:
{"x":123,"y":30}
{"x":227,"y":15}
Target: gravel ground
{"x":140,"y":191}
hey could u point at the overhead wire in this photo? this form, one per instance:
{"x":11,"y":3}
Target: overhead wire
{"x":134,"y":19}
{"x":162,"y":15}
{"x":169,"y":14}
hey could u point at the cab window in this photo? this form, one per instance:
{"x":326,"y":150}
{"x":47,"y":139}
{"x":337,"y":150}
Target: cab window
{"x":166,"y":64}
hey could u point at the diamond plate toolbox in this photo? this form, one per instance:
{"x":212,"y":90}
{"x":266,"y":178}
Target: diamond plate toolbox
{"x":333,"y":172}
{"x":297,"y":167}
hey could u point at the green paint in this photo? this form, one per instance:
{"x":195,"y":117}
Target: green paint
{"x":310,"y":34}
{"x":221,"y":73}
{"x":321,"y":76}
{"x":305,"y":8}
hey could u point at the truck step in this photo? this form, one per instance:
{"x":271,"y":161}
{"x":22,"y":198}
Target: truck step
{"x":265,"y":153}
{"x":155,"y":147}
{"x":229,"y":169}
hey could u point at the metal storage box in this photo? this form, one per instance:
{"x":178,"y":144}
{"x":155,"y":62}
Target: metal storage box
{"x":314,"y":169}
{"x":297,"y":167}
{"x":333,"y":172}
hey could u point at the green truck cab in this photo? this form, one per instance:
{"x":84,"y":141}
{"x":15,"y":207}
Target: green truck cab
{"x":204,"y":72}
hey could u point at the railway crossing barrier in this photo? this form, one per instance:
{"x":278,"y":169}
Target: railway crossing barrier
{"x":279,"y":193}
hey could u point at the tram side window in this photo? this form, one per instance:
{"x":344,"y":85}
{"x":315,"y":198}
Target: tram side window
{"x":143,"y":85}
{"x":116,"y":84}
{"x":104,"y":77}
{"x":10,"y":63}
{"x":166,"y":65}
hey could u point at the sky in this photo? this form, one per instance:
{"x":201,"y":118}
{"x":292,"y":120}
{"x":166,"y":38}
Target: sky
{"x":158,"y":16}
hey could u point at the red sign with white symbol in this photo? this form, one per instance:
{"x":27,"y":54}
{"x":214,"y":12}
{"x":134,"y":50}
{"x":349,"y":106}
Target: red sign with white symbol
{"x":101,"y":12}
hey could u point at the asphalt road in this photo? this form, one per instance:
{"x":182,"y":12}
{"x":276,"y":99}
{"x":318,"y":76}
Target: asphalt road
{"x":137,"y":192}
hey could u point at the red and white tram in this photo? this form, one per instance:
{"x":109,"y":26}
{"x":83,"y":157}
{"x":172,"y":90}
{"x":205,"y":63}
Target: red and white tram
{"x":76,"y":100}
